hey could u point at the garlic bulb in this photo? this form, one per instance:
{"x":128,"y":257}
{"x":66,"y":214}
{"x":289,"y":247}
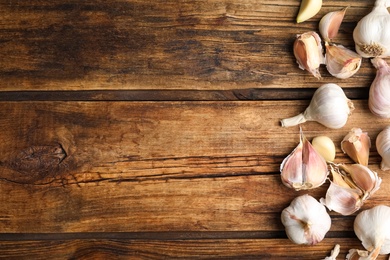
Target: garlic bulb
{"x":341,"y":62}
{"x":324,"y":146}
{"x":372,"y":34}
{"x":383,"y":148}
{"x":357,"y":145}
{"x":329,"y":106}
{"x":330,"y":24}
{"x":304,"y":168}
{"x":372,"y":227}
{"x":308,"y":52}
{"x":306,"y":220}
{"x":379,"y":96}
{"x":350,"y":187}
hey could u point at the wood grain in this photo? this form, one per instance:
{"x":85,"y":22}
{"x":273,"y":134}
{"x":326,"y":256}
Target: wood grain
{"x":203,"y":45}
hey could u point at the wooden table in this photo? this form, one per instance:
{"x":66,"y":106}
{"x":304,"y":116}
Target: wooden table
{"x":150,"y":129}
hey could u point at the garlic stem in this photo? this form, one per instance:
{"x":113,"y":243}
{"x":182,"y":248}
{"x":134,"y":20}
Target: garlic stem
{"x":295,"y":120}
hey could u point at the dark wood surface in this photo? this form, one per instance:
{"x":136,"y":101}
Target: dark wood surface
{"x":150,"y":129}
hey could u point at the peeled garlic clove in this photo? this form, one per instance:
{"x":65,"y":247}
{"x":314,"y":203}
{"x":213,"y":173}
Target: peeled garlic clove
{"x":340,"y":197}
{"x":324,"y":146}
{"x":304,"y":168}
{"x":379,"y":96}
{"x":308,"y":9}
{"x":330,"y":24}
{"x":363,"y":177}
{"x":383,"y":148}
{"x":306,"y":220}
{"x":356,"y":144}
{"x":309,"y":53}
{"x":341,"y":62}
{"x":372,"y":227}
{"x":329,"y":106}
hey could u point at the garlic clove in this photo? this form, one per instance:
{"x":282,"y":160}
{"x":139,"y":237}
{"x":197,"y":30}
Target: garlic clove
{"x":330,"y":24}
{"x":306,"y":220}
{"x":356,"y":144}
{"x":379,"y":95}
{"x":383,"y":148}
{"x":324,"y":146}
{"x":309,"y":53}
{"x":304,"y":168}
{"x":329,"y":106}
{"x":364,"y":178}
{"x":308,"y":9}
{"x":341,"y":62}
{"x":340,"y":197}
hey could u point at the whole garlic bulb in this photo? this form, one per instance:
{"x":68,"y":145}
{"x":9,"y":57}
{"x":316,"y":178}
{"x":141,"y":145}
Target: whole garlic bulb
{"x":306,"y":220}
{"x":372,"y":34}
{"x":329,"y":106}
{"x":383,"y":148}
{"x":372,"y":227}
{"x":379,"y":96}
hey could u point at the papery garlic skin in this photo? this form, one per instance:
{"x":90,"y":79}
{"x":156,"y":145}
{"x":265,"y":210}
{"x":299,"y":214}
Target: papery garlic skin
{"x":383,"y":148}
{"x":335,"y":252}
{"x":306,"y":220}
{"x":341,"y":62}
{"x":330,"y":24}
{"x":379,"y":95}
{"x":356,"y":144}
{"x":304,"y":168}
{"x":309,"y":53}
{"x":372,"y":34}
{"x":329,"y":106}
{"x":372,"y":227}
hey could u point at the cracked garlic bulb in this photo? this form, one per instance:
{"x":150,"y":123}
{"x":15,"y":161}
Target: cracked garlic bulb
{"x":306,"y":220}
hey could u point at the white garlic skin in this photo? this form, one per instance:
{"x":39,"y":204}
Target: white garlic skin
{"x":379,"y":95}
{"x":306,"y":220}
{"x":383,"y":148}
{"x":372,"y":34}
{"x":372,"y":227}
{"x":329,"y":106}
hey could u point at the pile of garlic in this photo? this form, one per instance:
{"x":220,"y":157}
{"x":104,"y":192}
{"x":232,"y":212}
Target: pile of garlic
{"x":308,"y":50}
{"x":350,"y":184}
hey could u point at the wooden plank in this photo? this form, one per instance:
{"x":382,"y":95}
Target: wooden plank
{"x":131,"y":44}
{"x":155,"y":166}
{"x":188,"y":249}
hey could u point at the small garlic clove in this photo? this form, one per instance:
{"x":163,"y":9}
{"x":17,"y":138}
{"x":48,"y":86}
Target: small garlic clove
{"x":324,"y":146}
{"x":306,"y":220}
{"x":308,"y":9}
{"x":363,"y":177}
{"x":356,"y":144}
{"x":304,"y":168}
{"x":330,"y":24}
{"x":340,"y":197}
{"x":309,"y":53}
{"x":341,"y":62}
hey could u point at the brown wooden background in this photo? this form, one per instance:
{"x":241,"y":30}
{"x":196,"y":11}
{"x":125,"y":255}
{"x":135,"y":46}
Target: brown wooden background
{"x":150,"y":129}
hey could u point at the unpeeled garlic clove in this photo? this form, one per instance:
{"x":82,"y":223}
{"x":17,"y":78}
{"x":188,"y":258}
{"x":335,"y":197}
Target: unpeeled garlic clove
{"x":304,"y":168}
{"x":356,"y":144}
{"x":341,"y":62}
{"x":379,"y":95}
{"x":350,"y":187}
{"x":330,"y":24}
{"x":309,"y":53}
{"x":383,"y":148}
{"x":306,"y":220}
